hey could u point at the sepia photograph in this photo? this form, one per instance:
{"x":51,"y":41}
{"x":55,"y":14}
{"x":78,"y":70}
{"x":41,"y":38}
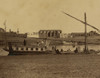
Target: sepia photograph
{"x":49,"y":38}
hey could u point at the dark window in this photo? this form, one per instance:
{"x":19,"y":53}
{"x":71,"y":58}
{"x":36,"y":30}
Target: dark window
{"x":49,"y":34}
{"x":16,"y":48}
{"x":41,"y":49}
{"x":36,"y":49}
{"x":26,"y":48}
{"x":52,"y":34}
{"x":31,"y":48}
{"x":22,"y":48}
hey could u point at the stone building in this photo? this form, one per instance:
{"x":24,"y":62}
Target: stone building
{"x":49,"y":33}
{"x":91,"y":33}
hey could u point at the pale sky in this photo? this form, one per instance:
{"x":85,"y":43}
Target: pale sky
{"x":34,"y":15}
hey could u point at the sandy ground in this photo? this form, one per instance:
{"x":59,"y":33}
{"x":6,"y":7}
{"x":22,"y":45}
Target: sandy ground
{"x":50,"y":66}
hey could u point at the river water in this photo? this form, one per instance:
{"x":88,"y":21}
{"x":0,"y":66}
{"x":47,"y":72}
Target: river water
{"x":71,"y":48}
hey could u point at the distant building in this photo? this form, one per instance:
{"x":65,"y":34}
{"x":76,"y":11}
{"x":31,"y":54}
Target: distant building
{"x":10,"y":36}
{"x":49,"y":33}
{"x":65,"y":35}
{"x":91,"y":33}
{"x":33,"y":34}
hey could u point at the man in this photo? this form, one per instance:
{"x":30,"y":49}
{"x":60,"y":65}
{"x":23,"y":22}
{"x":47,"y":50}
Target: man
{"x":24,"y":42}
{"x":10,"y":48}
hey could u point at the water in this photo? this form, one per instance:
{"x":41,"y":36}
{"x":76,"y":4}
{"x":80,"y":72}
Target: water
{"x":80,"y":47}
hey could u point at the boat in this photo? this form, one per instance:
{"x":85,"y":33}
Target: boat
{"x":25,"y":50}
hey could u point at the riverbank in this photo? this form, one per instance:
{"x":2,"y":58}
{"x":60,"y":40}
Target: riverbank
{"x":50,"y":66}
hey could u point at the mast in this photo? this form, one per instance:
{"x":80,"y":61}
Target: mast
{"x":86,"y":24}
{"x":85,"y":49}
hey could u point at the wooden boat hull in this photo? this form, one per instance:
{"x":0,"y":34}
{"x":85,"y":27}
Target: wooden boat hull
{"x":27,"y":52}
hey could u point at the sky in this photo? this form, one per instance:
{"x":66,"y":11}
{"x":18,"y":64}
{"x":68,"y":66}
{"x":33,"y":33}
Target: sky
{"x":35,"y":15}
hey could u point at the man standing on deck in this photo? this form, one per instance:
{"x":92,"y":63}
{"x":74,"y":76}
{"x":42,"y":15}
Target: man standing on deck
{"x":24,"y":42}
